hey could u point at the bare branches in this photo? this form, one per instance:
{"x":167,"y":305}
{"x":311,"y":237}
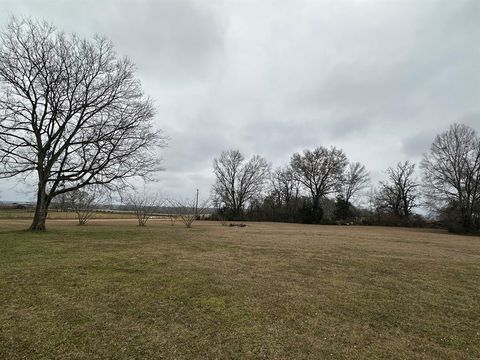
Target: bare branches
{"x":83,"y":203}
{"x":189,"y":210}
{"x":144,"y":205}
{"x":451,"y":172}
{"x":284,"y":186}
{"x":320,"y":171}
{"x":399,"y":194}
{"x":72,"y":112}
{"x":355,"y":179}
{"x":237,"y":181}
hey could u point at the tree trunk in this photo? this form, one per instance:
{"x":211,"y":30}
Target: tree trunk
{"x":467,"y":222}
{"x":317,"y":210}
{"x":466,"y":217}
{"x":41,"y":211}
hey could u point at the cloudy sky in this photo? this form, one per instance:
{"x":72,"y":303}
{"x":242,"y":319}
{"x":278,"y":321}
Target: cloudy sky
{"x":376,"y":78}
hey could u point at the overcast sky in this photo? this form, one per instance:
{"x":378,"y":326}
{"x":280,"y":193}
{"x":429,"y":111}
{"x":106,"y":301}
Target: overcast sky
{"x":376,"y":78}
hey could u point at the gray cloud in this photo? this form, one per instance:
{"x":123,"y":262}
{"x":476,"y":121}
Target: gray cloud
{"x":417,"y":144}
{"x":378,"y":79}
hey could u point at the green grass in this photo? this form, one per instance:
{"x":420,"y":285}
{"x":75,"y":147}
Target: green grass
{"x":113,"y":290}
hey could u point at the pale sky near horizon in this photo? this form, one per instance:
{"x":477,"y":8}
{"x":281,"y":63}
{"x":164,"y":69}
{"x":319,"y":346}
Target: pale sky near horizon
{"x":378,"y":79}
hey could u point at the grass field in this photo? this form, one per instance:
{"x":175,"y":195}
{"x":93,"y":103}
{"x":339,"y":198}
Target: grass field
{"x":56,"y":215}
{"x":276,"y":291}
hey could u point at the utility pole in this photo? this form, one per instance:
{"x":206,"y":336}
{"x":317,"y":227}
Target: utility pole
{"x":196,"y":205}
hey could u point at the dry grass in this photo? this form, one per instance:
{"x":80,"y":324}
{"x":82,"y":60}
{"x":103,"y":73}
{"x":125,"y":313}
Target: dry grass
{"x":113,"y":290}
{"x":61,"y":215}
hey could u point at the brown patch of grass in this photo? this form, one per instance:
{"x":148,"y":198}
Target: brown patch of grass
{"x":61,"y":215}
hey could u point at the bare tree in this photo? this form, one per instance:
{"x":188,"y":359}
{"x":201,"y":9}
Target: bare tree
{"x":61,"y":202}
{"x":284,"y":198}
{"x":284,"y":186}
{"x":143,"y":204}
{"x":399,"y":194}
{"x":71,"y":112}
{"x":451,"y":173}
{"x":238,"y":181}
{"x":356,"y":179}
{"x":83,"y":203}
{"x":189,"y":210}
{"x":320,"y":171}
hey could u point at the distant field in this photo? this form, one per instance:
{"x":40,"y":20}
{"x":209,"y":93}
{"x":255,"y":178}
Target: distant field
{"x":276,"y":291}
{"x":28,"y":214}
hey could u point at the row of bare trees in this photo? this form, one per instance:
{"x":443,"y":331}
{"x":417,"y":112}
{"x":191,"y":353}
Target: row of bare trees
{"x":313,"y":174}
{"x":450,"y":185}
{"x":142,"y":204}
{"x":146,"y":205}
{"x":323,"y":179}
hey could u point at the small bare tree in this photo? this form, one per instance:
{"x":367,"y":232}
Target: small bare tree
{"x":189,"y":210}
{"x":173,"y":218}
{"x":143,"y":205}
{"x":61,"y":202}
{"x":83,"y":204}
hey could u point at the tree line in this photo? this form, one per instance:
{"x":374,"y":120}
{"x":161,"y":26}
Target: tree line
{"x":323,"y":186}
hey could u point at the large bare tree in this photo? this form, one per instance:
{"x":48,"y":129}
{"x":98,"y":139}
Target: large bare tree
{"x":355,"y":179}
{"x":320,"y":171}
{"x":451,"y":171}
{"x":238,"y":181}
{"x":399,"y":194}
{"x":284,"y":186}
{"x":71,"y":112}
{"x":283,"y":199}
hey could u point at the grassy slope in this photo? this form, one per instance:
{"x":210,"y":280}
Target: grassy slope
{"x":269,"y":290}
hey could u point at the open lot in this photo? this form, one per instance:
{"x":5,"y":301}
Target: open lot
{"x":113,"y":290}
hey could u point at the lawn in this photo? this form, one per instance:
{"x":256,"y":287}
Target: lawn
{"x":278,"y":291}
